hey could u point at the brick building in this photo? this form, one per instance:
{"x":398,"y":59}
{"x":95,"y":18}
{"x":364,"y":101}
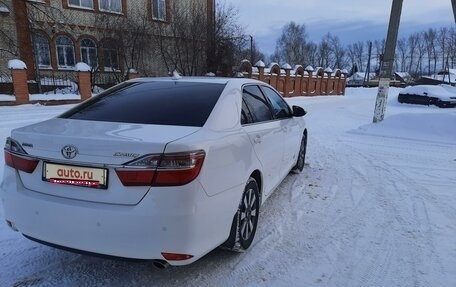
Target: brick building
{"x":111,"y":36}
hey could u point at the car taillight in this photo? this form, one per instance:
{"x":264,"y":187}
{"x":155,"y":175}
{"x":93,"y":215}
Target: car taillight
{"x":130,"y":177}
{"x":162,"y":170}
{"x":176,"y":256}
{"x":16,"y":157}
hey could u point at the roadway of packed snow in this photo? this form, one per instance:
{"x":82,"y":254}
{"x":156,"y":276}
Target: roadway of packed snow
{"x":374,"y":206}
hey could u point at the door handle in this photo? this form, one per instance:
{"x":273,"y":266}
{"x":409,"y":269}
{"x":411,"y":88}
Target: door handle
{"x":257,"y":139}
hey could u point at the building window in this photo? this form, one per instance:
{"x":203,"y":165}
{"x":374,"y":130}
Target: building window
{"x":41,"y":50}
{"x":81,"y":3}
{"x":159,"y":10}
{"x":65,"y":52}
{"x":110,"y":56}
{"x":111,"y":5}
{"x":89,"y":52}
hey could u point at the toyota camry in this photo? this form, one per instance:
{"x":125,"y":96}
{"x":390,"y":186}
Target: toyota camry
{"x":165,"y":169}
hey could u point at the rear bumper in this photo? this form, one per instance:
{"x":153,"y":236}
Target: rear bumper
{"x":180,"y":220}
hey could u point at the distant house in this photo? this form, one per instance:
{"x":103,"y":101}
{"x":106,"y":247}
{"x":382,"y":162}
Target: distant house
{"x":357,"y":79}
{"x":447,"y":76}
{"x":404,"y":78}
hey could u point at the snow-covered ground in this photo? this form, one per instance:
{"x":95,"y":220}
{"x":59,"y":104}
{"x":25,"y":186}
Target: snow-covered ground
{"x":374,"y":206}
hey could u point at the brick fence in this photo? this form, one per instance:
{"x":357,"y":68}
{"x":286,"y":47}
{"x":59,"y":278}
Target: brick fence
{"x":297,"y":81}
{"x":21,"y":93}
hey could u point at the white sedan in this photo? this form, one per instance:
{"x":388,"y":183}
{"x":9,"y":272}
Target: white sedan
{"x":163,"y":169}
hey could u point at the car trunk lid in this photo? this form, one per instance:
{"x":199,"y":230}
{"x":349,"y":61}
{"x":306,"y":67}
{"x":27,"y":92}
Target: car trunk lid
{"x":90,"y":149}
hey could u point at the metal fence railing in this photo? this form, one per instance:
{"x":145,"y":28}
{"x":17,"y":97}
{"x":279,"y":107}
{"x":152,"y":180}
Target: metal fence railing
{"x":51,"y":82}
{"x":6,"y":83}
{"x":102,"y":81}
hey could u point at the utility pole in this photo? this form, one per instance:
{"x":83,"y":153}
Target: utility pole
{"x":367,"y":74}
{"x":386,"y":70}
{"x":251,"y":49}
{"x":453,"y":3}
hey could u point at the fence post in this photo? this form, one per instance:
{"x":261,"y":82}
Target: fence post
{"x":310,"y":82}
{"x":246,"y":66}
{"x":343,"y":81}
{"x":260,"y":65}
{"x":327,"y":90}
{"x":286,"y":88}
{"x":20,"y":85}
{"x":84,"y":81}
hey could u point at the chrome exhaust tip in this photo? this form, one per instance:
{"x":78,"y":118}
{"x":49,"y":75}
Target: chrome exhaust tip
{"x":160,"y":264}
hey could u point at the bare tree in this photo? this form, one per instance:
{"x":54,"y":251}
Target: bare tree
{"x":324,"y":52}
{"x":442,"y":40}
{"x":430,"y":38}
{"x":355,"y":55}
{"x":181,"y":43}
{"x":452,"y":46}
{"x":291,"y":45}
{"x":412,"y":44}
{"x":7,"y":42}
{"x":338,"y":51}
{"x":229,"y":42}
{"x":130,"y":38}
{"x":311,"y":54}
{"x":401,"y":54}
{"x":332,"y":53}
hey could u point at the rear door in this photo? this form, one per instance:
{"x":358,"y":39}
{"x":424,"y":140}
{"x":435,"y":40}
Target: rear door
{"x":265,"y":134}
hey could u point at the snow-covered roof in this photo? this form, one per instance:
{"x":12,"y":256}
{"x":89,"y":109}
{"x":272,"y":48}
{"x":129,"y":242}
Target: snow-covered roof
{"x":443,"y":78}
{"x":403,"y":75}
{"x":287,"y":67}
{"x":328,"y":70}
{"x":359,"y":76}
{"x":446,"y":71}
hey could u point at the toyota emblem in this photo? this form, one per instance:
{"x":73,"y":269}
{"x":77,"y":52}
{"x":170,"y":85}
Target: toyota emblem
{"x":69,"y":151}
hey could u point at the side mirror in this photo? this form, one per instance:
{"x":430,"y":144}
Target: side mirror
{"x":298,"y":111}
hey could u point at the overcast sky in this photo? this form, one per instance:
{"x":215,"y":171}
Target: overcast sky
{"x":350,"y":20}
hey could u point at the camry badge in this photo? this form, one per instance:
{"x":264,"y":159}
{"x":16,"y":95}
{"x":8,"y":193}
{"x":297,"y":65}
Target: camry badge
{"x":69,"y":151}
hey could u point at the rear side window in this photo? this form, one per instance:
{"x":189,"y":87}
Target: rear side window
{"x":161,"y":103}
{"x":255,"y":107}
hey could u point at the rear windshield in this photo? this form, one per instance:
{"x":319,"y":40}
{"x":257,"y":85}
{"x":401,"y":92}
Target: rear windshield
{"x":161,"y":103}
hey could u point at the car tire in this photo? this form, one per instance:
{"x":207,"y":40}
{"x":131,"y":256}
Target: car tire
{"x":245,"y":221}
{"x":301,"y":155}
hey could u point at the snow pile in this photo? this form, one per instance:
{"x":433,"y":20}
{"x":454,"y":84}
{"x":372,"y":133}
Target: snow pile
{"x":7,"y":98}
{"x":423,"y":127}
{"x":54,"y":96}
